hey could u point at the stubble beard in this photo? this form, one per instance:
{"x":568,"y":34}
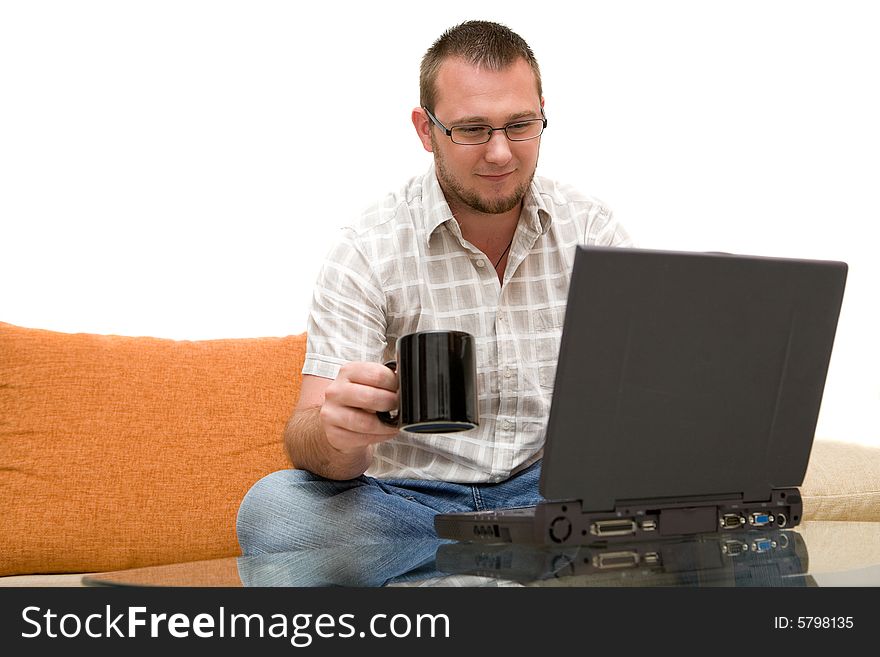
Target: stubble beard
{"x":469,"y":197}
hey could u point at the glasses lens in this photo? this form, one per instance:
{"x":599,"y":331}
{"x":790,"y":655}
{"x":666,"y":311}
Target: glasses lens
{"x":524,"y":130}
{"x":471,"y":134}
{"x":480,"y":134}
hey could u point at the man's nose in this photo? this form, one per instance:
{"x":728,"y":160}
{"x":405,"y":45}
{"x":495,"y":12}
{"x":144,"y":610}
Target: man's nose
{"x":498,"y":148}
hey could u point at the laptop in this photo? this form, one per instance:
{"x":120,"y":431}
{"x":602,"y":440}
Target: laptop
{"x":776,"y":557}
{"x":686,"y":398}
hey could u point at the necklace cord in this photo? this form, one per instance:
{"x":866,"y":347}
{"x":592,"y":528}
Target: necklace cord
{"x":506,"y":248}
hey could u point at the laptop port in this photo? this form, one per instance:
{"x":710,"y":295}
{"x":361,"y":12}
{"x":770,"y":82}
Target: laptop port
{"x":734,"y":548}
{"x":560,"y":529}
{"x":762,"y":545}
{"x":613,"y":527}
{"x":486,"y":531}
{"x":760,"y":519}
{"x":651,"y":557}
{"x":626,"y":559}
{"x":648,"y":525}
{"x":731,"y":521}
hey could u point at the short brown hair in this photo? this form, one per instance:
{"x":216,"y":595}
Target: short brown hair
{"x":481,"y":43}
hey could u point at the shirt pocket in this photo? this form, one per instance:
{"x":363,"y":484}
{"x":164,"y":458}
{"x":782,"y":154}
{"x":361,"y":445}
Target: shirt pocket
{"x":548,"y":319}
{"x":546,"y":325}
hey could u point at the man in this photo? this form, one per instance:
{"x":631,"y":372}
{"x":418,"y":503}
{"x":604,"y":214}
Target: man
{"x":478,"y":244}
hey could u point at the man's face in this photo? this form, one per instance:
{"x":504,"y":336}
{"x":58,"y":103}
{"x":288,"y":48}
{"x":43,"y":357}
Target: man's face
{"x":493,"y":177}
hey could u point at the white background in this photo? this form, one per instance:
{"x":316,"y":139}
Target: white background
{"x":178,"y":169}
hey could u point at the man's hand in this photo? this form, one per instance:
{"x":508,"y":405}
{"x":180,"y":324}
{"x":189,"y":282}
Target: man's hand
{"x":334,"y":425}
{"x":348,"y":414}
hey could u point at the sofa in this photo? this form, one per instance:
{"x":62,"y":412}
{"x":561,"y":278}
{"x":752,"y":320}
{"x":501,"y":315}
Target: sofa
{"x":122,"y":452}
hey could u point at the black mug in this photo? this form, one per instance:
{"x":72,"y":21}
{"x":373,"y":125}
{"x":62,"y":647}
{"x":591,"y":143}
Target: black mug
{"x":437,"y":371}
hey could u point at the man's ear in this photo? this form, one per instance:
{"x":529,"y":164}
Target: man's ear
{"x":422,"y":124}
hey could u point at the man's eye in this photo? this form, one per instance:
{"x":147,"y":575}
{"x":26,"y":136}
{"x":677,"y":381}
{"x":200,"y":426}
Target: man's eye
{"x":471,"y":130}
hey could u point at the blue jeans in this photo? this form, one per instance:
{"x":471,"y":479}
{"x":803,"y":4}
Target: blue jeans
{"x":297,"y":510}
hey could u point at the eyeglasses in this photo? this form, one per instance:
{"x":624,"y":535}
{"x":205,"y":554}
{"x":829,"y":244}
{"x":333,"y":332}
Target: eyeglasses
{"x":475,"y":134}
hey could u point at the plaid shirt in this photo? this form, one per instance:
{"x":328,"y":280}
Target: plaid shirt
{"x":405,"y":267}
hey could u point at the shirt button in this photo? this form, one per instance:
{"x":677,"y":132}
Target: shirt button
{"x":507,"y":425}
{"x":508,"y":373}
{"x":480,"y":263}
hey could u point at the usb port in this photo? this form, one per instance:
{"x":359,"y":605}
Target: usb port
{"x":612,"y":527}
{"x":651,"y":557}
{"x":648,"y":525}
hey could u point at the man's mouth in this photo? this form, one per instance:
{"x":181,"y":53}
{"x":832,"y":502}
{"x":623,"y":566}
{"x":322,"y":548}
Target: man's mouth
{"x":495,"y":177}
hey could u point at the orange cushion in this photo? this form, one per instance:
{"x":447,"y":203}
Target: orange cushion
{"x":121,"y":452}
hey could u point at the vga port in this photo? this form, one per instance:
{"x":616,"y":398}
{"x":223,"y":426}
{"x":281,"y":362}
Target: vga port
{"x":760,"y":519}
{"x":763,"y":545}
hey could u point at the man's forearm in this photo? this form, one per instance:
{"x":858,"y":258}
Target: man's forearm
{"x":308,"y":449}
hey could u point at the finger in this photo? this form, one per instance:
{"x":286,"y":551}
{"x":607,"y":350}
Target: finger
{"x":374,"y":375}
{"x":355,"y":395}
{"x":367,"y":423}
{"x":356,"y":426}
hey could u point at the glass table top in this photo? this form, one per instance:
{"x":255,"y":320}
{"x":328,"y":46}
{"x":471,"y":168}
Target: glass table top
{"x":816,"y":553}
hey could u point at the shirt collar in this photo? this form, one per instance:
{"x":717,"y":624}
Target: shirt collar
{"x":535,"y":208}
{"x":434,"y":203}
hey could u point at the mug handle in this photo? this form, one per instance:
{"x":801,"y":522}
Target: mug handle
{"x":386,"y":417}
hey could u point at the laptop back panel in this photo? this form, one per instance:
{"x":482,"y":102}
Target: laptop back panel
{"x":686,"y":375}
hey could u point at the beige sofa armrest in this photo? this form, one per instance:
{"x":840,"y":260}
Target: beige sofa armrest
{"x":842,"y":482}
